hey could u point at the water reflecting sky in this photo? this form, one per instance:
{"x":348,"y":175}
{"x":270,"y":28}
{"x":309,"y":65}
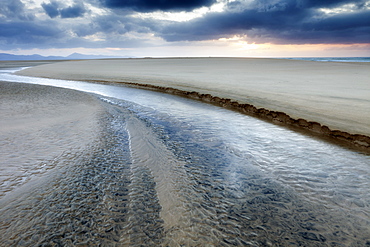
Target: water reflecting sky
{"x":237,"y":148}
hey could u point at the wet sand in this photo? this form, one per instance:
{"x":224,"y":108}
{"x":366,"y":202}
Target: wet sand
{"x":39,"y":125}
{"x":130,"y":176}
{"x":327,"y":98}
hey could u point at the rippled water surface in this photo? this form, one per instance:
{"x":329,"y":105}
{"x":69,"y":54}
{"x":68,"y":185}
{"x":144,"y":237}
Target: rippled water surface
{"x":173,"y":172}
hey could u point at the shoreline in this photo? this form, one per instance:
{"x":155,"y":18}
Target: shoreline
{"x":327,"y":100}
{"x":356,"y":141}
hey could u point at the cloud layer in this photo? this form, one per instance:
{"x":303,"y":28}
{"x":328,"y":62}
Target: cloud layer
{"x":137,"y":23}
{"x":53,"y":10}
{"x":286,"y":22}
{"x":155,"y":5}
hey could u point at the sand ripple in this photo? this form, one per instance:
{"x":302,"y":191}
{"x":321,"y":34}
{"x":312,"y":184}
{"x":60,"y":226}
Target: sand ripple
{"x":149,"y":179}
{"x":39,"y":125}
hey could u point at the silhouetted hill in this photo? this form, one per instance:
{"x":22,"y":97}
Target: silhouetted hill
{"x":10,"y":57}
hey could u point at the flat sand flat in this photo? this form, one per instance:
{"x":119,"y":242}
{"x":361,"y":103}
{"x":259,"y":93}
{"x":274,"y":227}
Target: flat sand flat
{"x":333,"y":95}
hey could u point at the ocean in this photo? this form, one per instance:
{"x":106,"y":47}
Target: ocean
{"x":333,"y":59}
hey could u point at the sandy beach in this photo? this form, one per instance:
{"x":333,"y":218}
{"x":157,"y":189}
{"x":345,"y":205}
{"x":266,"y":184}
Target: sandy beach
{"x":134,"y":167}
{"x":324,"y":97}
{"x":39,"y":124}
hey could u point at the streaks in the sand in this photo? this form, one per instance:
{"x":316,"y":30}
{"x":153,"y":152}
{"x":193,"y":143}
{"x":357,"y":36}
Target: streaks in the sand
{"x":94,"y":199}
{"x":230,"y":180}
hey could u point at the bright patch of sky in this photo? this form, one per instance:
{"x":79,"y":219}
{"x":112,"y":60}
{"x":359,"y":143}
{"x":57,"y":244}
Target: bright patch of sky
{"x":346,"y":8}
{"x":182,"y":16}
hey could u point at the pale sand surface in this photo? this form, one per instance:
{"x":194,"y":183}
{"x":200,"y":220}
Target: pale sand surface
{"x":334,"y":94}
{"x":38,"y":125}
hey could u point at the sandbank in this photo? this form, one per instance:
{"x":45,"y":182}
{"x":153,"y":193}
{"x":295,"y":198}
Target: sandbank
{"x":328,"y":98}
{"x":40,"y":124}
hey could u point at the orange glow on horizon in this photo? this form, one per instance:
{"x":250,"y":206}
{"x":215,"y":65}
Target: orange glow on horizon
{"x":226,"y":47}
{"x":239,"y":45}
{"x":302,"y":50}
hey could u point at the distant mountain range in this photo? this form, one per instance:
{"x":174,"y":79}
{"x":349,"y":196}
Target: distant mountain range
{"x":74,"y":56}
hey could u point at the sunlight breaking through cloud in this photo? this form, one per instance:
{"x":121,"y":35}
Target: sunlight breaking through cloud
{"x":346,"y":8}
{"x":67,"y":24}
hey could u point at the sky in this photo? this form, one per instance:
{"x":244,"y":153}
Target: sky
{"x":186,"y":28}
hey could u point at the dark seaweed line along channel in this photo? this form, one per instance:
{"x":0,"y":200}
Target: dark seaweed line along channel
{"x":356,"y":141}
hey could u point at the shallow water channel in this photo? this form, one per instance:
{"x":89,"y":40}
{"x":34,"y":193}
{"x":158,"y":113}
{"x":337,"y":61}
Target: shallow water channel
{"x":168,"y":171}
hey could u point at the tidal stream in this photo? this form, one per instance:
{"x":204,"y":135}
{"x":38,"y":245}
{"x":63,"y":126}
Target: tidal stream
{"x":169,"y":171}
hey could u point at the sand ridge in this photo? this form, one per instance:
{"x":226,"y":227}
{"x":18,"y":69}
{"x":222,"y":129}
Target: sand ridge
{"x":324,"y":97}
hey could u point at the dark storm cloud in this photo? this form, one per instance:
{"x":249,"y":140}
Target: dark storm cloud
{"x":14,"y":9}
{"x":18,"y":31}
{"x":27,"y":33}
{"x":53,"y":10}
{"x":154,"y":5}
{"x":77,"y":10}
{"x":290,"y":22}
{"x":262,"y":21}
